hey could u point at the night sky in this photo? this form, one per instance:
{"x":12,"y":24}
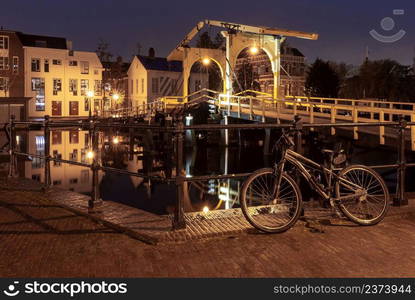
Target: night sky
{"x":343,"y":25}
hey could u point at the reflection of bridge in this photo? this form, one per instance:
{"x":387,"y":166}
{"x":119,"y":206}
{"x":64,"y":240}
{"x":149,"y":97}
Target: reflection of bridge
{"x":257,"y":106}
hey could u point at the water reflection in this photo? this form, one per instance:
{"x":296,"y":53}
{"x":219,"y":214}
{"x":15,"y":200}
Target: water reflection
{"x":153,"y":154}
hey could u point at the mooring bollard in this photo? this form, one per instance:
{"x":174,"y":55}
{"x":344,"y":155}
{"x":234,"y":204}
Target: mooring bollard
{"x":12,"y":142}
{"x":178,"y":218}
{"x":46,"y":132}
{"x":400,"y":198}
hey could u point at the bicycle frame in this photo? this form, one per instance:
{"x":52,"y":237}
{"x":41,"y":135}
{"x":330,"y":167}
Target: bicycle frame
{"x":299,"y":163}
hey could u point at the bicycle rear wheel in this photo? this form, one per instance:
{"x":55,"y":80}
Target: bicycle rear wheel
{"x":369,"y":209}
{"x":264,"y":212}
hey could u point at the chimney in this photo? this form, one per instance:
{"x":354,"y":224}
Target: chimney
{"x":151,"y":52}
{"x":69,"y":45}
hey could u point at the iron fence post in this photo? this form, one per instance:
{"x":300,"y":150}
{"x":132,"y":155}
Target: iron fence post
{"x":12,"y":142}
{"x":46,"y":132}
{"x":178,"y":219}
{"x":400,"y":198}
{"x":94,"y":165}
{"x":298,"y":127}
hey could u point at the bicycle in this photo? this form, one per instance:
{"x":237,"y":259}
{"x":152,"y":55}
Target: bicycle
{"x":271,"y":199}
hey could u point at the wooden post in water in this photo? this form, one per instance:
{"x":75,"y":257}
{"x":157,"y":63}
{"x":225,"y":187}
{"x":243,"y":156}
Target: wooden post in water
{"x":12,"y":143}
{"x":178,"y":218}
{"x":46,"y":131}
{"x":413,"y":133}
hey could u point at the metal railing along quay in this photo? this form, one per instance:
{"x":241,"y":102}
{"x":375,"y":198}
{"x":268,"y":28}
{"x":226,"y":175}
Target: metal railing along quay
{"x":177,"y":130}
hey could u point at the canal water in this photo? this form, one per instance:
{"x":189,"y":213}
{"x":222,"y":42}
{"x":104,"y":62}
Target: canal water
{"x":202,"y":157}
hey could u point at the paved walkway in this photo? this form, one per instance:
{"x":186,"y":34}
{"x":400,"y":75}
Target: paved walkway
{"x":38,"y":238}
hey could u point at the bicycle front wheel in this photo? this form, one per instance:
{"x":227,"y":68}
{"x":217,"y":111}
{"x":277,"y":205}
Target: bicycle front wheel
{"x":371,"y":207}
{"x":268,"y":213}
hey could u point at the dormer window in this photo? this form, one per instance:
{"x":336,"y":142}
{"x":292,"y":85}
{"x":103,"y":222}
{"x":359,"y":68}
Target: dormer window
{"x":41,"y":44}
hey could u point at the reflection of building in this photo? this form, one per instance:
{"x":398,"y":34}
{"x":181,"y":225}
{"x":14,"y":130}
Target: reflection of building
{"x":68,"y":145}
{"x":47,"y":70}
{"x":151,"y":77}
{"x":292,"y":71}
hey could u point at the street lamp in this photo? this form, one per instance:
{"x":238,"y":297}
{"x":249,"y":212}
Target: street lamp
{"x":254,"y":50}
{"x":206,"y":61}
{"x":89,"y":95}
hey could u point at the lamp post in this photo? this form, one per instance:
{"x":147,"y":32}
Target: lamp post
{"x":89,"y":95}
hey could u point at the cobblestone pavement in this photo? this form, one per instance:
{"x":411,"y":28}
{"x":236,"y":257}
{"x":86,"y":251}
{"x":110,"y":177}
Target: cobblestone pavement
{"x":41,"y":239}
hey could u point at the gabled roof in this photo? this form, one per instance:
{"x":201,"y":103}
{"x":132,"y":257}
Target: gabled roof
{"x":160,"y":64}
{"x":42,"y":41}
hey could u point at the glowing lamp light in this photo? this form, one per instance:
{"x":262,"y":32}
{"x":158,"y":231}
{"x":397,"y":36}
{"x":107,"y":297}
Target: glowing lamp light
{"x":115,"y":140}
{"x":115,"y":97}
{"x":90,"y":94}
{"x":206,"y":61}
{"x":254,"y":50}
{"x":205,"y":209}
{"x":90,"y":154}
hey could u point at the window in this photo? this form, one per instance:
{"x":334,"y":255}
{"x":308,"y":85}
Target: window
{"x":57,"y":62}
{"x":36,"y":177}
{"x":41,"y":43}
{"x":56,"y":137}
{"x":74,"y":155}
{"x":73,"y":181}
{"x":37,"y":162}
{"x":57,"y":86}
{"x":46,"y":65}
{"x":84,"y":67}
{"x":142,"y":85}
{"x":83,"y":155}
{"x":73,"y":63}
{"x":57,"y":182}
{"x":84,"y":176}
{"x":73,"y":108}
{"x":15,"y":64}
{"x":73,"y":86}
{"x":86,"y":140}
{"x":57,"y":155}
{"x":38,"y":86}
{"x":4,"y":63}
{"x":4,"y":42}
{"x":35,"y":65}
{"x":96,"y":72}
{"x":84,"y":86}
{"x":4,"y":82}
{"x":97,"y":87}
{"x":155,"y":85}
{"x":74,"y":137}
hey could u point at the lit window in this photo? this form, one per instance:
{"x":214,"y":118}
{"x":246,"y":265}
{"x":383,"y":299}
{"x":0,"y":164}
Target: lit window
{"x":73,"y":86}
{"x":84,"y":67}
{"x":4,"y":63}
{"x":57,"y":62}
{"x":73,"y":63}
{"x":35,"y":65}
{"x":15,"y":64}
{"x":57,"y":86}
{"x":38,"y":86}
{"x":4,"y":42}
{"x":84,"y":86}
